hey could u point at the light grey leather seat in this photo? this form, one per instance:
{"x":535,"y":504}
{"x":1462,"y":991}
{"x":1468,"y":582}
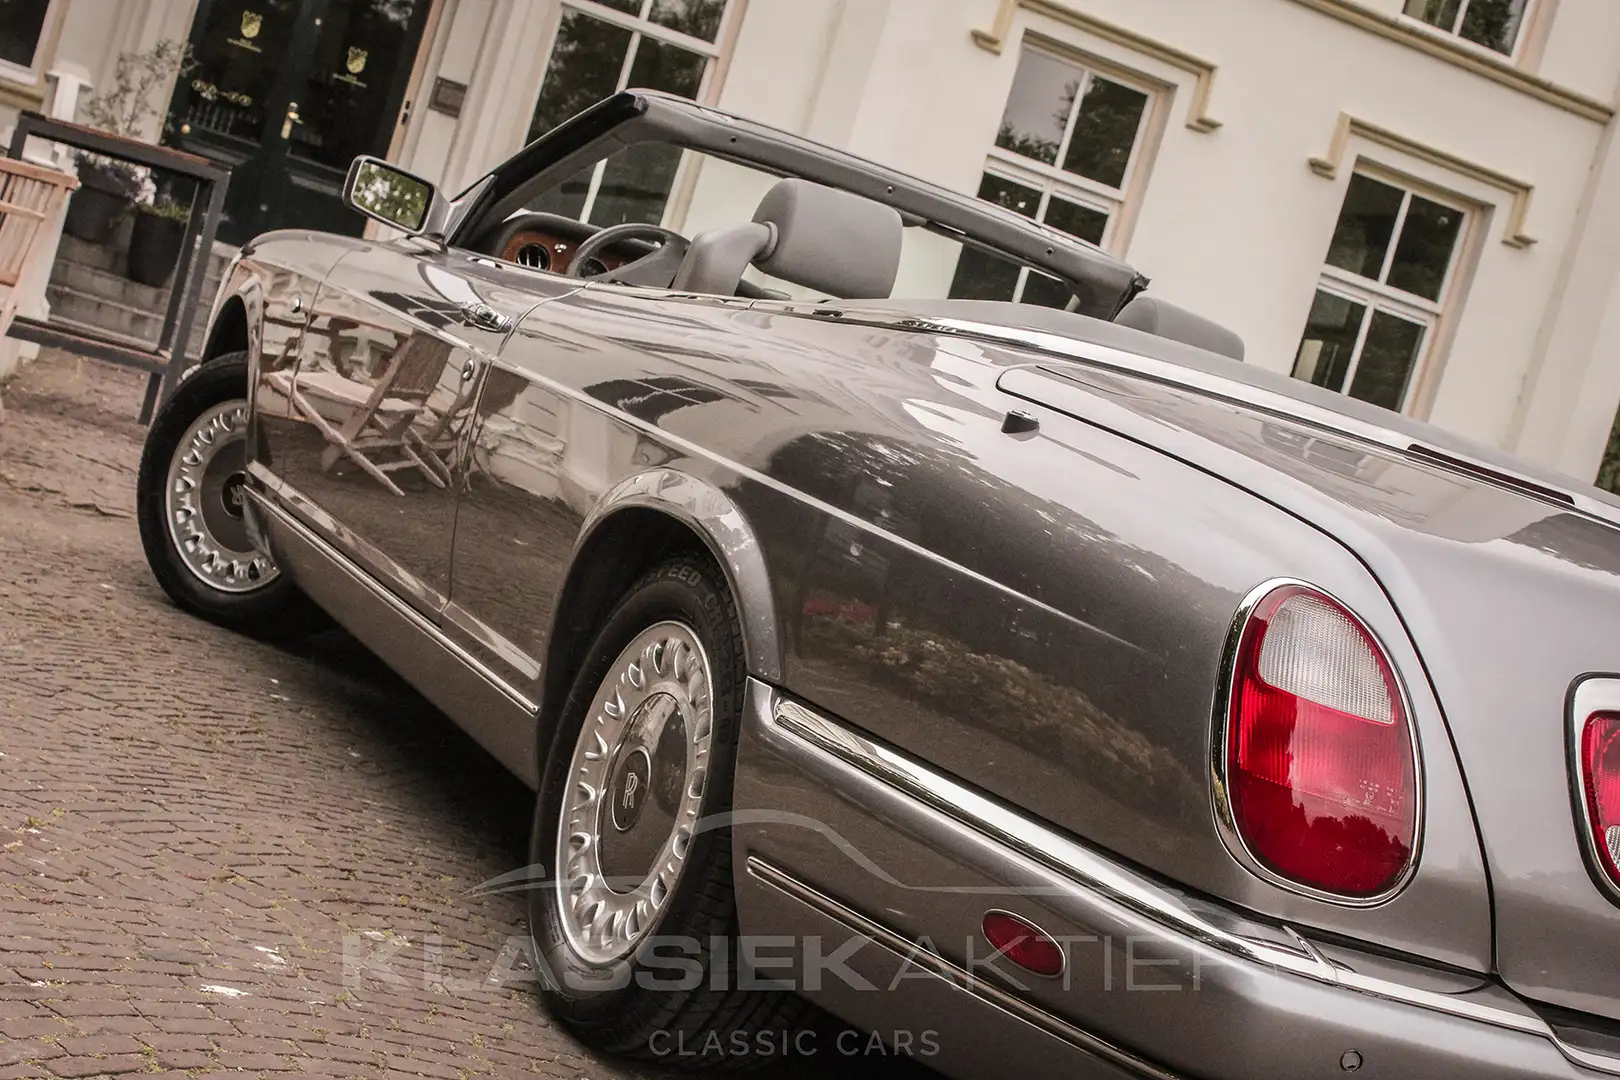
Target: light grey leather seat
{"x":1153,"y":316}
{"x":817,"y":237}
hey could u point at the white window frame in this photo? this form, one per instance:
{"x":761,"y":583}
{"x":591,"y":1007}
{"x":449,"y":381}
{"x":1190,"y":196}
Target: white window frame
{"x":1455,"y":32}
{"x":1053,"y":179}
{"x":1378,"y":296}
{"x":643,"y":27}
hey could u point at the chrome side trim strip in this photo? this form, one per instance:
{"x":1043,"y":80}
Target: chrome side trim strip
{"x":418,"y":621}
{"x":1202,"y":921}
{"x":918,"y":954}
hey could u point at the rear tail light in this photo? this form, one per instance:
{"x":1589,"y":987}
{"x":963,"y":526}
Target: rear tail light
{"x":1320,"y":774}
{"x":1600,"y":779}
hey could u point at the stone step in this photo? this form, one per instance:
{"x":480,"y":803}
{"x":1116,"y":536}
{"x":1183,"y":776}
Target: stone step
{"x":98,"y":312}
{"x":93,"y":281}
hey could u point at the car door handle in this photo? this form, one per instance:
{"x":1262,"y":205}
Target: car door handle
{"x":485,"y":317}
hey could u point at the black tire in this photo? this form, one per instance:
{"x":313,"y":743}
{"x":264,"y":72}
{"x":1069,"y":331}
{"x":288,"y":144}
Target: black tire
{"x":714,"y":1028}
{"x":274,"y":609}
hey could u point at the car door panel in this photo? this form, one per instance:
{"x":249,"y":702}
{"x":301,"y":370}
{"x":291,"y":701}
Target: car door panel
{"x":549,"y":443}
{"x":388,"y":379}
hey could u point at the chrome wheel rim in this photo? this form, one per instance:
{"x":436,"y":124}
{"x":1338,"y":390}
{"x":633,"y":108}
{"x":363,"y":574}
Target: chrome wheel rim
{"x":634,"y":792}
{"x":203,"y":503}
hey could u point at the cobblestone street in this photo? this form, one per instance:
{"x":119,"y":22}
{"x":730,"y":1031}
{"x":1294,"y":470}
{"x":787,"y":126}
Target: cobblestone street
{"x":219,"y":855}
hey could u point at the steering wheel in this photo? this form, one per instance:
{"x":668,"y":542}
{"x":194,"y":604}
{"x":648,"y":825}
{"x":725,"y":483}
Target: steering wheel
{"x":657,"y":268}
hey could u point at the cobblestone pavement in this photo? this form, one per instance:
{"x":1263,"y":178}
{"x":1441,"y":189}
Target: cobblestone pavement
{"x":218,"y":855}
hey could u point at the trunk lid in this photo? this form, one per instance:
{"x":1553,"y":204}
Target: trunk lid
{"x":1508,"y":582}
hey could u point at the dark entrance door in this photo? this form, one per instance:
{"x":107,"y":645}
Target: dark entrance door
{"x":287,"y":93}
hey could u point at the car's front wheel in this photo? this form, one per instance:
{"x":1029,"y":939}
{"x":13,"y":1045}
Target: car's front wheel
{"x":635,"y":927}
{"x":189,"y":507}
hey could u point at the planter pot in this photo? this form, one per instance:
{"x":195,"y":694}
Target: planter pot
{"x":154,"y":249}
{"x":96,"y":208}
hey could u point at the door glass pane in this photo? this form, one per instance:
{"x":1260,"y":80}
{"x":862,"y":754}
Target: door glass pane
{"x":636,"y":183}
{"x":1441,"y":13}
{"x":363,"y":55}
{"x":1494,"y":23}
{"x":585,"y":66}
{"x":1366,"y":225}
{"x":1423,"y":254}
{"x":1086,"y":222}
{"x":237,"y":59}
{"x":699,"y":18}
{"x":670,"y":68}
{"x":1387,"y":360}
{"x":1038,"y":108}
{"x":1110,"y":117}
{"x":1330,"y":340}
{"x":20,"y":24}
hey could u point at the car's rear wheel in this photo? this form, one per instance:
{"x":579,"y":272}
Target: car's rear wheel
{"x":189,"y":507}
{"x":635,"y":929}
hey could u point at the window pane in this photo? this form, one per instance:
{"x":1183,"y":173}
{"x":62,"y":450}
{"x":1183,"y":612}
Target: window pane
{"x":636,"y":184}
{"x":1086,"y":222}
{"x":629,"y":7}
{"x":1441,"y":13}
{"x":1044,"y":291}
{"x":1330,"y":339}
{"x":670,"y":68}
{"x":20,"y":24}
{"x":1387,"y":360}
{"x":1366,"y":225}
{"x":1494,"y":23}
{"x":1038,"y":108}
{"x":1016,"y":197}
{"x":700,"y":18}
{"x":982,"y":276}
{"x":1428,"y":239}
{"x":1110,"y":117}
{"x":584,"y":69}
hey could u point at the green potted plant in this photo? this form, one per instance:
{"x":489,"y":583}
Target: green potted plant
{"x":108,"y":187}
{"x":156,"y":238}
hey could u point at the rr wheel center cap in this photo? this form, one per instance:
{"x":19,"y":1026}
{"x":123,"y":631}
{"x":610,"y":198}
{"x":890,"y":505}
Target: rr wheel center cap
{"x":631,"y":789}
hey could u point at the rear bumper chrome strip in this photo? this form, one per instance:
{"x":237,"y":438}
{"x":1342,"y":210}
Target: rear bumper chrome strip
{"x":935,"y":964}
{"x":1205,"y":922}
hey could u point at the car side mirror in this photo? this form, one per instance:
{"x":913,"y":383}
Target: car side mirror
{"x":392,"y":196}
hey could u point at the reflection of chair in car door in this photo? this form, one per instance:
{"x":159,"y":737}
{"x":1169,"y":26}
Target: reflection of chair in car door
{"x":406,"y":421}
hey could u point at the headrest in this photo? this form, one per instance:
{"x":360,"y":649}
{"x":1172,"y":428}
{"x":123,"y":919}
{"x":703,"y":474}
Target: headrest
{"x":1154,"y":316}
{"x":831,"y":241}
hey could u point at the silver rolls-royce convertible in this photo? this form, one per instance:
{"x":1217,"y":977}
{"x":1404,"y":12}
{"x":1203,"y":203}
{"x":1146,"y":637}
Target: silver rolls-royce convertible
{"x":1037,"y":688}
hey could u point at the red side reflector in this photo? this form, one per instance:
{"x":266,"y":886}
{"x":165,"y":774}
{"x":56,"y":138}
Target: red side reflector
{"x":1320,"y":772}
{"x":1600,"y":772}
{"x":1024,"y":944}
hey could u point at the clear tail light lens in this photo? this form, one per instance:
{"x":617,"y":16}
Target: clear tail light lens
{"x":1320,"y":771}
{"x":1600,"y":776}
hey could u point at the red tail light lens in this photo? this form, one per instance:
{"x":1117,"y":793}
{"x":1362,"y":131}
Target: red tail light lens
{"x":1320,"y":773}
{"x":1600,"y":772}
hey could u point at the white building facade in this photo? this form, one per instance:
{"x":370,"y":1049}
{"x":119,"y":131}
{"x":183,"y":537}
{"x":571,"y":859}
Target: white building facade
{"x":1416,"y":202}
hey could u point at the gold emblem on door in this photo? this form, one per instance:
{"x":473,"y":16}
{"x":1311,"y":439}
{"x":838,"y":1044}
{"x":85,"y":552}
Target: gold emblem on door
{"x":252,"y":24}
{"x":357,"y":61}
